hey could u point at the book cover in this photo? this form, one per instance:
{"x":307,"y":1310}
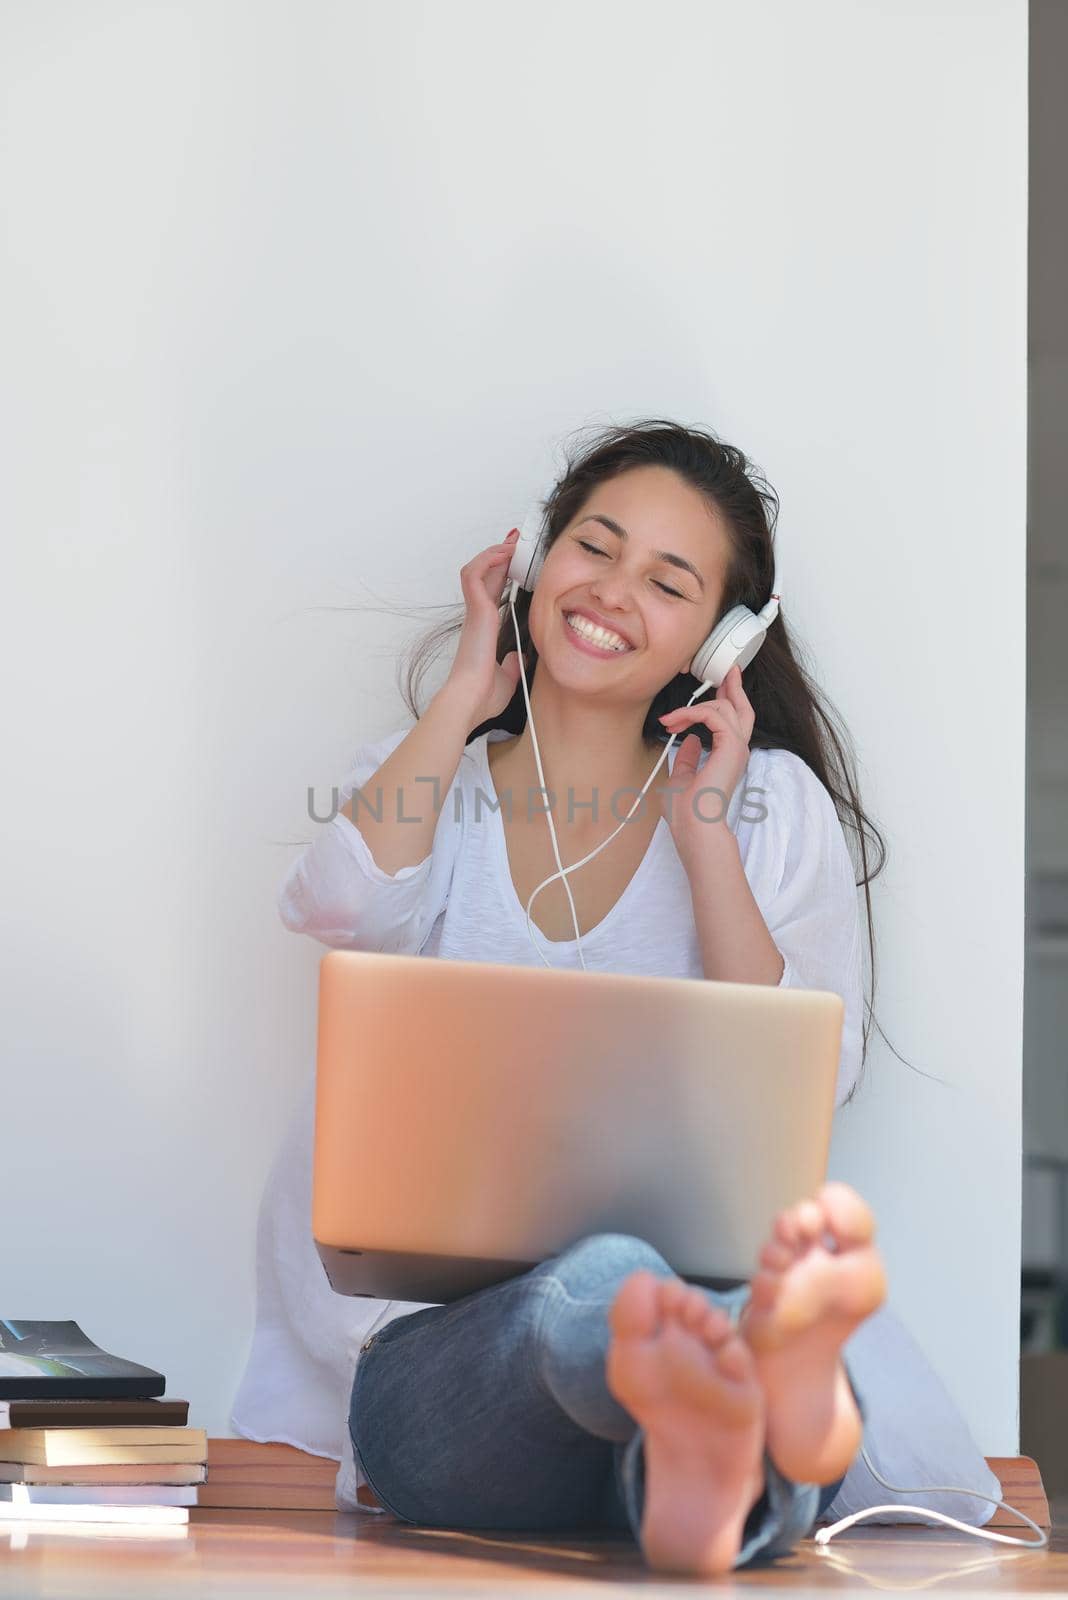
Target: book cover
{"x":93,"y":1413}
{"x":56,"y":1360}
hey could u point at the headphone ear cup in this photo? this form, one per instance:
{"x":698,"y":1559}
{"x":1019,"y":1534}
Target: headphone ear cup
{"x":734,"y":641}
{"x":529,"y":551}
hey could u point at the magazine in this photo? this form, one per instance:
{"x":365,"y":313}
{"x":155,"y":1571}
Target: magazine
{"x":56,"y":1360}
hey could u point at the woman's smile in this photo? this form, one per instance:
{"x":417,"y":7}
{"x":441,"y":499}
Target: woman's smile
{"x":587,"y":636}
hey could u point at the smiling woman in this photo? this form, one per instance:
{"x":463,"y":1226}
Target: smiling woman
{"x":650,"y":538}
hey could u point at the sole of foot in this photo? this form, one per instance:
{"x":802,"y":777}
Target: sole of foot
{"x":676,"y":1363}
{"x":820,"y":1277}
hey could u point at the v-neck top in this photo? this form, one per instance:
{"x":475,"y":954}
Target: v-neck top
{"x":503,"y":870}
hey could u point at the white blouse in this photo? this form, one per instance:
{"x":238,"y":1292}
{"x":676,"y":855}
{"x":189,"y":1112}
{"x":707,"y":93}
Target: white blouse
{"x":460,"y":903}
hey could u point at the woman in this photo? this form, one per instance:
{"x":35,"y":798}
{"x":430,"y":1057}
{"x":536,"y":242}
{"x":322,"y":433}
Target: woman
{"x":599,"y":1390}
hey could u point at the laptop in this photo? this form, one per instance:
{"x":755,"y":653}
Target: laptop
{"x":474,"y":1118}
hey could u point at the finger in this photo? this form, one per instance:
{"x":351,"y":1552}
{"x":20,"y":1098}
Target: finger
{"x":739,"y":703}
{"x":716,"y":715}
{"x":483,"y":571}
{"x":686,"y":759}
{"x":486,"y":558}
{"x":490,"y":556}
{"x":731,"y":689}
{"x":493,"y":559}
{"x":725,"y":690}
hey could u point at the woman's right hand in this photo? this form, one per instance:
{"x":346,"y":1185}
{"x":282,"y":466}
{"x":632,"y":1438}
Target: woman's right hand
{"x":475,"y":671}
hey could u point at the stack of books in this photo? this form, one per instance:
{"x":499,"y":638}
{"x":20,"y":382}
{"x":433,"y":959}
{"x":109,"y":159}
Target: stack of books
{"x":84,"y":1436}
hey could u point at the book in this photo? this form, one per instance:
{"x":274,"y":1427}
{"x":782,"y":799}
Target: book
{"x":104,"y":1473}
{"x":262,"y":1497}
{"x":46,"y":1513}
{"x":59,"y":1447}
{"x":93,"y":1413}
{"x":120,"y":1494}
{"x":57,"y":1361}
{"x":65,"y":1447}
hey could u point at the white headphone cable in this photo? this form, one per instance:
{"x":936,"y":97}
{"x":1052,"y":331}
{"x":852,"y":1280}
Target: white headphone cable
{"x":823,"y":1536}
{"x":563,"y":871}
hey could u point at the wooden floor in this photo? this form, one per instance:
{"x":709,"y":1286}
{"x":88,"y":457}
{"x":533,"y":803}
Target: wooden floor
{"x":243,"y":1552}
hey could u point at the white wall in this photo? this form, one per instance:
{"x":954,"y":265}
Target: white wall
{"x":297,"y":300}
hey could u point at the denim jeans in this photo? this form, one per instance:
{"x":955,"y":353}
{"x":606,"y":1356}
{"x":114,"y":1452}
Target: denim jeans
{"x":492,"y":1411}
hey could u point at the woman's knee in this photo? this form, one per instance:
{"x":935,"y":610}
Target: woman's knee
{"x":600,"y":1258}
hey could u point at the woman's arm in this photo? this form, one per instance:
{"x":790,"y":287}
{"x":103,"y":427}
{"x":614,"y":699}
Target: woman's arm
{"x":336,"y":892}
{"x":396,"y":811}
{"x":791,"y":917}
{"x":736,"y":946}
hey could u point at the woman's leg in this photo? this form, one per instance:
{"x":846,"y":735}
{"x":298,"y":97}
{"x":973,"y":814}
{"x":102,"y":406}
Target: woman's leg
{"x":493,"y":1411}
{"x":455,"y":1426}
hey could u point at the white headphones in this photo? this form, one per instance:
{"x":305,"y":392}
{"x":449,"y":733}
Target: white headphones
{"x":734,"y":641}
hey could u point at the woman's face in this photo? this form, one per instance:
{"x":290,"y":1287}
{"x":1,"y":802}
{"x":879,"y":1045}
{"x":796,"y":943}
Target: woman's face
{"x":611,"y":563}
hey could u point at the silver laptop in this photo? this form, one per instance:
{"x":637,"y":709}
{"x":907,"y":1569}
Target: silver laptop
{"x":473,"y":1118}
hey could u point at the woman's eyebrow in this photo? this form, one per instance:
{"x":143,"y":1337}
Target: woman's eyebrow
{"x":660,"y":555}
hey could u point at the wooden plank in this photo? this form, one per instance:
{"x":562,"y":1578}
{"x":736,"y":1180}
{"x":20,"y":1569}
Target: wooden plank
{"x":1021,"y":1486}
{"x":244,"y":1475}
{"x":276,"y":1477}
{"x":259,"y":1497}
{"x":239,"y":1452}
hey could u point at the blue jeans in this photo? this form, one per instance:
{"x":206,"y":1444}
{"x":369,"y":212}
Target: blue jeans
{"x":493,"y":1412}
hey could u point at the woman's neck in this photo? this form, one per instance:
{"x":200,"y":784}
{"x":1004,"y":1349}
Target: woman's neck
{"x":586,"y":748}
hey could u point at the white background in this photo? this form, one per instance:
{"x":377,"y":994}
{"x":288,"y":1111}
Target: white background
{"x":299,"y":304}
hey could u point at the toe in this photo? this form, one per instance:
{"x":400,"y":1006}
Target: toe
{"x":735,"y":1359}
{"x":716,"y":1326}
{"x":764,"y":1290}
{"x":693,"y":1310}
{"x":673,"y":1294}
{"x":850,"y":1220}
{"x":635,"y":1311}
{"x":787,"y":1230}
{"x":775,"y":1256}
{"x":810,"y":1220}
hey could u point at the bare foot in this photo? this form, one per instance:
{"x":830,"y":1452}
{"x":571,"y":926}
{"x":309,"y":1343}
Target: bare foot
{"x":678,"y":1366}
{"x":802,"y":1308}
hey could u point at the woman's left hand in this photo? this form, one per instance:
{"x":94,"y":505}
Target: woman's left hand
{"x":698,"y":820}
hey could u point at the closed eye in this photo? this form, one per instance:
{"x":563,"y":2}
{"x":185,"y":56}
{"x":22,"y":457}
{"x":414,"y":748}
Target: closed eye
{"x":593,"y":548}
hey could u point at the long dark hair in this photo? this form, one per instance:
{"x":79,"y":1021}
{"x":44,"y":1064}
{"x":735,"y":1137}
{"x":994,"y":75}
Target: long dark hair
{"x":791,"y":712}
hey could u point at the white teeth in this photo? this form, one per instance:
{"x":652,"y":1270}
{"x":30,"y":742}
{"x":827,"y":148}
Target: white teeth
{"x":598,"y":635}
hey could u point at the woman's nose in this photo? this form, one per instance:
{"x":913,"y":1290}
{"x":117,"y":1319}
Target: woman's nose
{"x":612,"y":590}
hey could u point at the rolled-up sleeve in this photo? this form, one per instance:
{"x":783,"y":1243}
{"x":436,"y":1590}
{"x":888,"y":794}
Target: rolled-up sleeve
{"x":799,"y":868}
{"x":336,"y":892}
